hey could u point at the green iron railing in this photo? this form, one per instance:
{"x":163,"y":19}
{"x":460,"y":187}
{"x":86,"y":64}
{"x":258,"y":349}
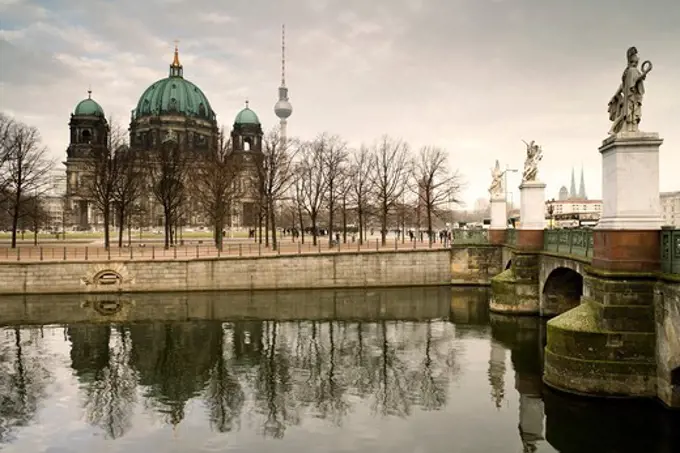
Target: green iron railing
{"x":470,"y":237}
{"x":578,"y":242}
{"x":511,"y":236}
{"x":670,"y":251}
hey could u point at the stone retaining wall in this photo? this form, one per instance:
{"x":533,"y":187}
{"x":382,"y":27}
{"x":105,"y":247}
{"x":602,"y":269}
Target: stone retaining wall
{"x":332,"y":270}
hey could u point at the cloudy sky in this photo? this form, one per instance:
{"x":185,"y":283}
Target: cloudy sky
{"x":473,"y":76}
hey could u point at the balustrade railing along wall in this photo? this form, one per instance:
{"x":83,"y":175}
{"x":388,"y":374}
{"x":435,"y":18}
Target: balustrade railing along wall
{"x":577,"y":242}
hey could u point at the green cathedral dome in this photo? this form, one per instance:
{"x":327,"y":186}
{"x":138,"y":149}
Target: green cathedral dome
{"x":88,"y":107}
{"x":174,"y":95}
{"x":246,"y":116}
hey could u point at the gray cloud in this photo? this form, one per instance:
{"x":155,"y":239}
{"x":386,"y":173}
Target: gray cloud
{"x":473,"y":76}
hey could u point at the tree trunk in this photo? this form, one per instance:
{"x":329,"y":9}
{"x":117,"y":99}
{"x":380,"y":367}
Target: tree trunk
{"x":272,"y":218}
{"x":107,"y":220}
{"x":344,"y":220}
{"x":331,"y":209}
{"x":121,"y":223}
{"x":383,"y":224}
{"x":266,"y":222}
{"x":302,"y":226}
{"x":314,"y":231}
{"x":167,"y":228}
{"x":360,"y":213}
{"x":429,"y":222}
{"x":35,"y":234}
{"x":15,"y":218}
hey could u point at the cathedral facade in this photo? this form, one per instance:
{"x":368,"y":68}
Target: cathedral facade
{"x":170,"y":106}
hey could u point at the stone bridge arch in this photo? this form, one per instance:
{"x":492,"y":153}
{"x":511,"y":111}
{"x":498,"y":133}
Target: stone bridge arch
{"x":561,"y":284}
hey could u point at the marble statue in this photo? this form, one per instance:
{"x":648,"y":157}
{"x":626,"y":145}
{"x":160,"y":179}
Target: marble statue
{"x":496,"y":188}
{"x":534,"y":156}
{"x":625,"y":107}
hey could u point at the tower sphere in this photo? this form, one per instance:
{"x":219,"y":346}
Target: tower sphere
{"x":283,"y":109}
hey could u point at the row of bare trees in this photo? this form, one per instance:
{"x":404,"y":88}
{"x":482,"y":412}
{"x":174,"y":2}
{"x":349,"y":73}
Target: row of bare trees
{"x":371,"y":183}
{"x":322,"y":183}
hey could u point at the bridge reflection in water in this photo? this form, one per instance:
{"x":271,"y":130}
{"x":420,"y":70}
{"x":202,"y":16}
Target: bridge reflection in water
{"x":398,"y":370}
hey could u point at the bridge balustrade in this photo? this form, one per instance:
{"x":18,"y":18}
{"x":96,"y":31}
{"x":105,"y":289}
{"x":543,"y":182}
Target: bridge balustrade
{"x":670,"y":251}
{"x":470,"y":236}
{"x":572,"y":241}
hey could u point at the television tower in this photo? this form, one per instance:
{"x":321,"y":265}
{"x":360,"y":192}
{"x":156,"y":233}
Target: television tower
{"x":282,"y":108}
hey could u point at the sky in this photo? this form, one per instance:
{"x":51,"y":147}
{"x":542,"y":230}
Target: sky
{"x":475,"y":77}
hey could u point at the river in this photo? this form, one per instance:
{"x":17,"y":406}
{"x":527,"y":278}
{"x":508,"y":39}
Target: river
{"x":391,"y":370}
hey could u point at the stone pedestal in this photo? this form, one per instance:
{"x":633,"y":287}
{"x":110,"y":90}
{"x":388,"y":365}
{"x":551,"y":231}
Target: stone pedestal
{"x":532,"y":216}
{"x":627,"y":236}
{"x":499,"y":221}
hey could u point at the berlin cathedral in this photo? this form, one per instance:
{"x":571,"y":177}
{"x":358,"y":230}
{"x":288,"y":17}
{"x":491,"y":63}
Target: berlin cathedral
{"x":172,"y":105}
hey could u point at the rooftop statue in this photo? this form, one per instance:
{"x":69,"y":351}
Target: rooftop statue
{"x":625,"y":107}
{"x":496,"y":188}
{"x":534,"y":156}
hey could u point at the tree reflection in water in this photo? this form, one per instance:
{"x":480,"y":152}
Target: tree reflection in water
{"x":23,"y":378}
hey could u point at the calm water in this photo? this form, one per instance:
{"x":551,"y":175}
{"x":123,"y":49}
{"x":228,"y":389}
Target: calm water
{"x":407,"y":370}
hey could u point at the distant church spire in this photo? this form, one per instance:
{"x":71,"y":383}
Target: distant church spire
{"x":582,"y":187}
{"x":572,"y":189}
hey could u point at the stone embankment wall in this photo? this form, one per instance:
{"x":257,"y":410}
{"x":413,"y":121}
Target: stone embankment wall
{"x":667,"y":309}
{"x":332,"y":270}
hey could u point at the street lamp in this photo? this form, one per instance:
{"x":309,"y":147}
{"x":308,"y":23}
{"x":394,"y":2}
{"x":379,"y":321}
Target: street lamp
{"x":504,"y":174}
{"x":551,"y":210}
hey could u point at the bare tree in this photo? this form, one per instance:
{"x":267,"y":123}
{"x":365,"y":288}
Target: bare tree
{"x":37,"y":216}
{"x":168,"y":167}
{"x":433,"y":183}
{"x":275,"y":173}
{"x":26,"y":167}
{"x":360,"y":172}
{"x":128,"y":186}
{"x":333,"y":157}
{"x":215,"y":184}
{"x":313,"y":181}
{"x":390,"y":171}
{"x":103,"y":172}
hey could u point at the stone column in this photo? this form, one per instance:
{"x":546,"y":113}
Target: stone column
{"x":532,"y":215}
{"x":627,"y":235}
{"x":499,"y":220}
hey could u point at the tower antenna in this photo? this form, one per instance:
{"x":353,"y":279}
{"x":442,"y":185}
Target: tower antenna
{"x":283,"y":55}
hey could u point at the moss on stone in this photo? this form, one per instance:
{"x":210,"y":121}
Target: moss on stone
{"x":584,"y":318}
{"x":505,"y":276}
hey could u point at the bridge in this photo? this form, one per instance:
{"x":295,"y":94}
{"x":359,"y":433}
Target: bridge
{"x":613,"y":332}
{"x":613,"y":291}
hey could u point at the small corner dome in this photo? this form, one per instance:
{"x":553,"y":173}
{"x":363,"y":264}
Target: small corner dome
{"x":88,"y":107}
{"x":246,"y":116}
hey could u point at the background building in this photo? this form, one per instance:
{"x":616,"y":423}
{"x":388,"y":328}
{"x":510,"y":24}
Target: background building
{"x":572,"y":208}
{"x":670,"y":207}
{"x":172,"y":106}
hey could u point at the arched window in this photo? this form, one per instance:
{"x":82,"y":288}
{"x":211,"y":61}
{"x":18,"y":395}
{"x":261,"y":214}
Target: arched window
{"x":246,"y":145}
{"x":86,"y":136}
{"x":201,"y":109}
{"x":173,"y":105}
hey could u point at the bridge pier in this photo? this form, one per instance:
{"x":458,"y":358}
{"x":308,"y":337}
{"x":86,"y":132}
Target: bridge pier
{"x":516,"y":290}
{"x":607,"y":345}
